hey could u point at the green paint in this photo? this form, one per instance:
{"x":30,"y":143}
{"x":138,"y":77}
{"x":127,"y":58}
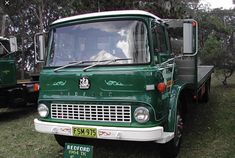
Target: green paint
{"x":100,"y":92}
{"x":7,"y":73}
{"x":78,"y":151}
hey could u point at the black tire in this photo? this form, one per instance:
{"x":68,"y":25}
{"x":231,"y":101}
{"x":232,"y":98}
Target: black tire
{"x":171,"y":148}
{"x":61,"y":140}
{"x":205,"y":97}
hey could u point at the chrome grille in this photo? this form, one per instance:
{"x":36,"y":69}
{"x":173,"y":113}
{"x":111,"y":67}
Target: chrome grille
{"x":87,"y":112}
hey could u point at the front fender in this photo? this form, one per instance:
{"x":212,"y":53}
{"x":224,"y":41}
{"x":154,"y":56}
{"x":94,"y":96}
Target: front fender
{"x":174,"y":100}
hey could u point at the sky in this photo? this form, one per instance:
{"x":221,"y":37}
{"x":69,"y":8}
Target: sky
{"x":226,"y":4}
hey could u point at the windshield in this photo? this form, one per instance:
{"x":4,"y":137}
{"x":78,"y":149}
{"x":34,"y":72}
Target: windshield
{"x":100,"y":41}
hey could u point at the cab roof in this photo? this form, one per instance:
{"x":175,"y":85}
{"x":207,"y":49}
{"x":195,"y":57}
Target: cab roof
{"x":107,"y":13}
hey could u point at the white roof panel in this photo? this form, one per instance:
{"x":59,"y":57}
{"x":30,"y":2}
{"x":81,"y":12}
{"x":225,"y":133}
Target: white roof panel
{"x":107,"y":13}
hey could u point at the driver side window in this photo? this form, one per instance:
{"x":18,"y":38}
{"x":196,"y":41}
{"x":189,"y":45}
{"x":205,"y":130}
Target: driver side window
{"x":160,"y":43}
{"x":160,"y":46}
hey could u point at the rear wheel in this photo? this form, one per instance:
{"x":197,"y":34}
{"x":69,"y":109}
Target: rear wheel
{"x":205,"y":97}
{"x":61,"y":140}
{"x":171,"y":149}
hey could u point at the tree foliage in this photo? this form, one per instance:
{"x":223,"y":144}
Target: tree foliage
{"x":216,"y":36}
{"x":28,"y":17}
{"x":216,"y":31}
{"x":212,"y":51}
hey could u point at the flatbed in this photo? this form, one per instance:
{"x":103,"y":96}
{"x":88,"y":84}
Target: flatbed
{"x":204,"y":72}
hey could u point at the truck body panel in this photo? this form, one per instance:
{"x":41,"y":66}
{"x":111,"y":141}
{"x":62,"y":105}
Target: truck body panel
{"x":7,"y":73}
{"x":130,"y":88}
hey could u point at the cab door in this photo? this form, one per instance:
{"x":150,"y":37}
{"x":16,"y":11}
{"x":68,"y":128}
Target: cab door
{"x":162,"y":52}
{"x":162,"y":46}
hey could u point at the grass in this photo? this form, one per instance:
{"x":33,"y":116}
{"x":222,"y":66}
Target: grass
{"x":210,"y":128}
{"x":209,"y":133}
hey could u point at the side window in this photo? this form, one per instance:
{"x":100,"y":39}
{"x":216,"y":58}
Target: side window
{"x":168,"y":39}
{"x":161,"y":39}
{"x":161,"y":43}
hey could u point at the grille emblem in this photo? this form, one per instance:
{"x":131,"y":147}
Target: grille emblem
{"x":84,"y":83}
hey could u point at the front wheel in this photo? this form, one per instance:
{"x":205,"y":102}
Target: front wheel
{"x":171,"y":148}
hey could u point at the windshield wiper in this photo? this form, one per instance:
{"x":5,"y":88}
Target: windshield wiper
{"x":89,"y":61}
{"x":107,"y":62}
{"x":73,"y":64}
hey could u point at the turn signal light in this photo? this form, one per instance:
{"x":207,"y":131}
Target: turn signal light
{"x":36,"y":87}
{"x":194,"y":23}
{"x":161,"y":87}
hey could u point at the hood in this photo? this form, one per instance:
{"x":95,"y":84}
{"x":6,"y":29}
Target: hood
{"x":97,"y":84}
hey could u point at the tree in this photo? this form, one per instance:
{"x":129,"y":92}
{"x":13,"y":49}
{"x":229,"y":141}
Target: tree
{"x":216,"y":36}
{"x":31,"y":16}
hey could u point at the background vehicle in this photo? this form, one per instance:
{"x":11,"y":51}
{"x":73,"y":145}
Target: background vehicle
{"x":113,"y":75}
{"x":13,"y":92}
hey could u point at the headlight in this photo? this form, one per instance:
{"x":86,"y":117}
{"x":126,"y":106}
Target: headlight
{"x":43,"y":110}
{"x":141,"y":114}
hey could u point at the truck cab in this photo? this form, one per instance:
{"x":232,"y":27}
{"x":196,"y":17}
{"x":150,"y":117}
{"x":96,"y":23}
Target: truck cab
{"x":7,"y":65}
{"x":112,"y":75}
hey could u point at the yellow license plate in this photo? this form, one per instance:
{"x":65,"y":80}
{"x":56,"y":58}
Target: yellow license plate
{"x":84,"y":132}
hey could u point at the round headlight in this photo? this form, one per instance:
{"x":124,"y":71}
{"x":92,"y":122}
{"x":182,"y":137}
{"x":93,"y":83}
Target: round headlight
{"x":141,"y":114}
{"x":43,"y":110}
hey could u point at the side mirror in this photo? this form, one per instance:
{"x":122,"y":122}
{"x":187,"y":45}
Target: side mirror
{"x":39,"y":47}
{"x":190,"y":31}
{"x":13,"y":44}
{"x":42,"y":47}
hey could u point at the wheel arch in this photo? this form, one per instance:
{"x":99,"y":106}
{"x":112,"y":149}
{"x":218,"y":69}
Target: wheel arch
{"x":177,"y":98}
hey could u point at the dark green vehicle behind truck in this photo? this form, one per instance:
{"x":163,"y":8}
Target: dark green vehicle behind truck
{"x":113,"y":75}
{"x":13,"y":92}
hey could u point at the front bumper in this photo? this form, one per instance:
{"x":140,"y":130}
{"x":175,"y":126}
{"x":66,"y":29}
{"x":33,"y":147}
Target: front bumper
{"x":115,"y":133}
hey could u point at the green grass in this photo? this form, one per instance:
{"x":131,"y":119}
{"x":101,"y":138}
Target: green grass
{"x":209,"y":133}
{"x":19,"y":139}
{"x":210,"y":130}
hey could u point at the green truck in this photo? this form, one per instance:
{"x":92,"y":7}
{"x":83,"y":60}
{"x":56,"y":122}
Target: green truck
{"x":13,"y":92}
{"x":113,"y":75}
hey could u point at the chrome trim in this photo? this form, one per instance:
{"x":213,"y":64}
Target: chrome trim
{"x":91,"y":112}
